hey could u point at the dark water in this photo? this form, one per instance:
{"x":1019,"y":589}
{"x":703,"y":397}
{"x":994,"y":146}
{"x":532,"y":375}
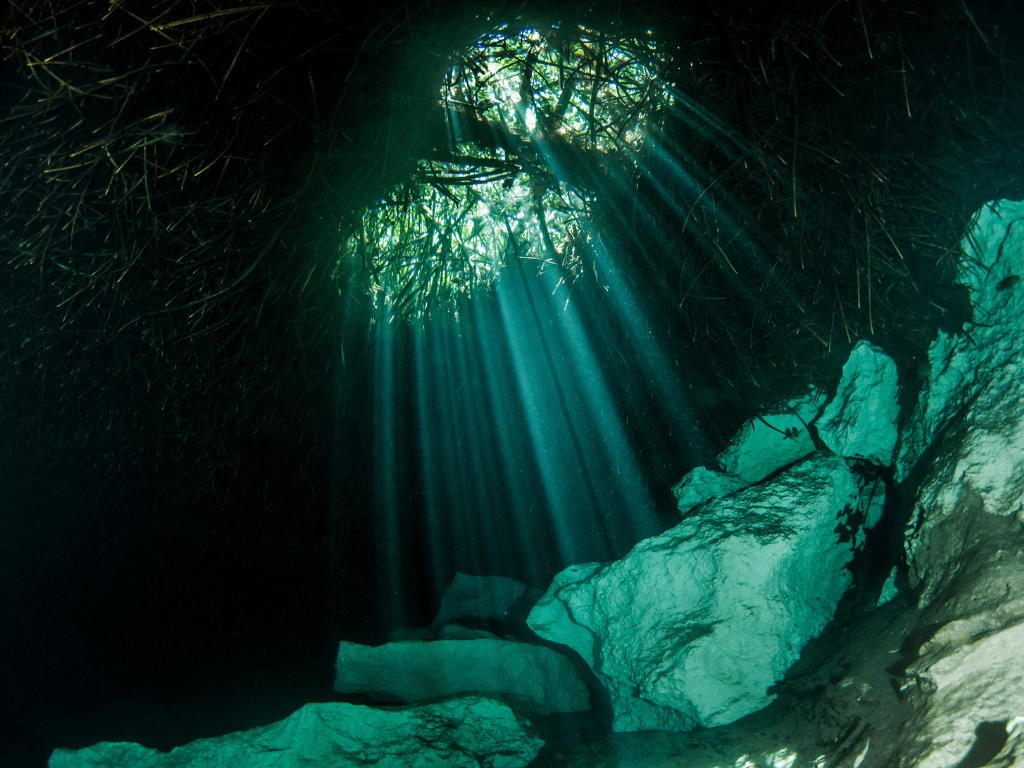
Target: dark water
{"x":112,"y":630}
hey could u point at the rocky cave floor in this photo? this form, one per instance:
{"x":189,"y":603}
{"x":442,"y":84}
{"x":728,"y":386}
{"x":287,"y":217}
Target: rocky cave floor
{"x":828,"y":707}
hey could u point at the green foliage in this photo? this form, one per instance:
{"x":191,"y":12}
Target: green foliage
{"x":524,"y":110}
{"x":426,"y":245}
{"x":589,"y":88}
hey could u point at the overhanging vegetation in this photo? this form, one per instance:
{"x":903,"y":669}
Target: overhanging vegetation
{"x":179,"y":185}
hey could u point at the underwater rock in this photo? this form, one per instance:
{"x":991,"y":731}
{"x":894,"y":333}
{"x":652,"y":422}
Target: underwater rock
{"x":972,"y":409}
{"x":860,"y":421}
{"x":702,"y":484}
{"x":416,"y":670}
{"x":774,"y":440}
{"x":692,"y":627}
{"x":984,"y":361}
{"x":889,"y":588}
{"x":480,"y":598}
{"x":962,"y":459}
{"x":760,"y":447}
{"x":470,"y":731}
{"x":970,"y":684}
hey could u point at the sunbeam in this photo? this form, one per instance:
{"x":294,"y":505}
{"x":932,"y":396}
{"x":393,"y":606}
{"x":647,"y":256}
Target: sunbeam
{"x":515,"y":453}
{"x":518,"y":375}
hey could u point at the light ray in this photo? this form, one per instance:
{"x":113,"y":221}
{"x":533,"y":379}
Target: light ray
{"x":385,"y":420}
{"x":533,"y":391}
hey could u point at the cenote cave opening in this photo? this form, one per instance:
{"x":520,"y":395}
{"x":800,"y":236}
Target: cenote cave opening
{"x":309,"y":310}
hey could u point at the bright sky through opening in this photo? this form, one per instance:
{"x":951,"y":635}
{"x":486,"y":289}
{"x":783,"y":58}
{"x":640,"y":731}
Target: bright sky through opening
{"x":514,"y":363}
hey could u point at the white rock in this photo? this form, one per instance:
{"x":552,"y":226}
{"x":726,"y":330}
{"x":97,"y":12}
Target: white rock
{"x":772,"y":441}
{"x":975,"y":683}
{"x":964,"y":541}
{"x":989,"y":353}
{"x":471,"y":732}
{"x":701,"y":484}
{"x":1012,"y":753}
{"x":979,"y":471}
{"x":692,"y":627}
{"x":416,"y":670}
{"x":974,"y":399}
{"x":761,"y":446}
{"x":860,"y":421}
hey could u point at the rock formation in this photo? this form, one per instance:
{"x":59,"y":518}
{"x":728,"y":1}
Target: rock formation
{"x":418,"y":670}
{"x":470,"y":731}
{"x":692,"y":627}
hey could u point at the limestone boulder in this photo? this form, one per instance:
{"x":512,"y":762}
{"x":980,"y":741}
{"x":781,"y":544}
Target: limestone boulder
{"x":970,"y":417}
{"x":471,"y":732}
{"x":962,"y":456}
{"x":761,"y":446}
{"x":702,"y":484}
{"x":693,"y":626}
{"x":968,"y":683}
{"x":772,"y":440}
{"x":418,"y":670}
{"x":860,"y":421}
{"x":984,"y":361}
